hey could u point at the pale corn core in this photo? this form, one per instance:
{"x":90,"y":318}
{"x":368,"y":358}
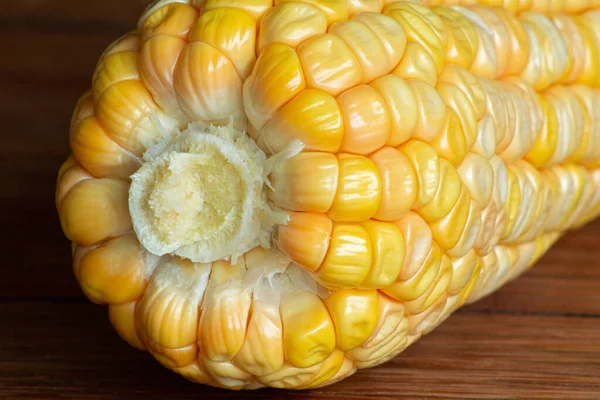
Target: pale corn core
{"x":200,"y":195}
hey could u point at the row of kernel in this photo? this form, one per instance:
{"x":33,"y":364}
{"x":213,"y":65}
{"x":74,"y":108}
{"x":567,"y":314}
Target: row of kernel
{"x":168,"y":322}
{"x":570,"y":130}
{"x":542,"y":50}
{"x":547,"y":7}
{"x":551,"y":200}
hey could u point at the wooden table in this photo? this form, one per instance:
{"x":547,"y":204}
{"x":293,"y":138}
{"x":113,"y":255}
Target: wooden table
{"x":538,"y":337}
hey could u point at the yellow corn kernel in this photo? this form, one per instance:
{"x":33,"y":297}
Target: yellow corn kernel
{"x":431,"y":111}
{"x":348,"y":258}
{"x":554,"y":130}
{"x":451,"y":144}
{"x":510,"y":125}
{"x":354,"y":314}
{"x":358,"y":190}
{"x":526,"y":207}
{"x":521,"y":137}
{"x":485,"y":144}
{"x":418,"y":242}
{"x":421,"y":26}
{"x":359,"y":6}
{"x":570,"y":193}
{"x":83,"y":109}
{"x":366,"y":46}
{"x":570,"y":118}
{"x":167,"y":316}
{"x":306,"y":182}
{"x":468,"y":84}
{"x":425,"y":322}
{"x":98,"y":153}
{"x":125,"y":111}
{"x":226,"y":373}
{"x":367,"y":120}
{"x":276,"y":78}
{"x":583,"y":148}
{"x":329,"y":368}
{"x":207,"y":84}
{"x":593,"y":206}
{"x":418,"y":284}
{"x":478,"y":176}
{"x":398,"y":184}
{"x":590,"y":74}
{"x":305,"y":239}
{"x":128,"y":42}
{"x":446,"y":195}
{"x":426,"y":164}
{"x":493,"y":220}
{"x":94,"y":210}
{"x":70,"y":174}
{"x":542,"y":201}
{"x":532,"y":103}
{"x":462,"y":37}
{"x":308,"y":332}
{"x":170,"y":358}
{"x":255,"y":8}
{"x":174,"y":19}
{"x":518,"y":45}
{"x":329,"y":64}
{"x":334,"y":10}
{"x":470,"y":233}
{"x":436,"y":290}
{"x":464,"y":294}
{"x":289,"y":376}
{"x":513,"y":201}
{"x":548,"y":51}
{"x":552,"y":184}
{"x":417,"y":64}
{"x":388,"y":31}
{"x":402,"y":105}
{"x":486,"y":59}
{"x":590,"y":100}
{"x":587,"y":196}
{"x":114,"y":271}
{"x":195,"y":372}
{"x":447,"y":231}
{"x":291,"y":24}
{"x":387,"y":245}
{"x":158,"y":60}
{"x":226,"y":305}
{"x":232,"y":32}
{"x":463,"y":269}
{"x":459,"y":102}
{"x":389,"y":334}
{"x":496,"y":109}
{"x":122,"y":318}
{"x":113,"y":69}
{"x":313,"y":117}
{"x":347,"y":369}
{"x":568,"y":29}
{"x":262,"y":350}
{"x":500,"y":36}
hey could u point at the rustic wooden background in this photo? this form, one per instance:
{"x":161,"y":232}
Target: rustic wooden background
{"x":538,"y":337}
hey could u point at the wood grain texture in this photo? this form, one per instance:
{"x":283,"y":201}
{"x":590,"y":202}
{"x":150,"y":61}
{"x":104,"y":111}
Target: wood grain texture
{"x":538,"y":337}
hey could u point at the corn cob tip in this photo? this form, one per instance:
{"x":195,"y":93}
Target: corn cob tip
{"x":201,"y":194}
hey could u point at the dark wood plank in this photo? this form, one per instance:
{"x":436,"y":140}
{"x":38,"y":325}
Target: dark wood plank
{"x":68,"y":350}
{"x":109,"y":12}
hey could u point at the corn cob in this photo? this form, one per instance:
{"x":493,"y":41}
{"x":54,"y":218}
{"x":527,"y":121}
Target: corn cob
{"x":279,"y":194}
